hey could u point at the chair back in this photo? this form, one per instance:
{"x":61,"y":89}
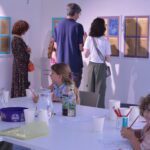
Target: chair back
{"x":88,"y":98}
{"x":127,"y":105}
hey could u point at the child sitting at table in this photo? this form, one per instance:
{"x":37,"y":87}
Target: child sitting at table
{"x":62,"y":83}
{"x":140,"y":139}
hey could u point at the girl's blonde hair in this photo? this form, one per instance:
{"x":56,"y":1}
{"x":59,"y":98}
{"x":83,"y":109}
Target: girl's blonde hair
{"x":65,"y":71}
{"x":145,"y":104}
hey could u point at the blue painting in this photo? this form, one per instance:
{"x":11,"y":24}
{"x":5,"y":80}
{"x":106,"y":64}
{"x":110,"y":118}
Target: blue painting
{"x":113,"y":26}
{"x":55,"y":21}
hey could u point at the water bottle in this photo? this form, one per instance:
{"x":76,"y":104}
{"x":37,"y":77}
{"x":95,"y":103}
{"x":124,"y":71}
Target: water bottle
{"x":72,"y":104}
{"x":65,"y":105}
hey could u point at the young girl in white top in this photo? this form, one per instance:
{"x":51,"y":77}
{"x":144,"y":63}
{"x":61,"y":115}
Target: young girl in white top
{"x":96,"y":67}
{"x":140,"y":139}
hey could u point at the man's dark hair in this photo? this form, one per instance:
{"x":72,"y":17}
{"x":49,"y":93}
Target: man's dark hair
{"x":72,"y":9}
{"x":97,"y":27}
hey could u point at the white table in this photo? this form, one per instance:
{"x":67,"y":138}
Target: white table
{"x":71,"y":133}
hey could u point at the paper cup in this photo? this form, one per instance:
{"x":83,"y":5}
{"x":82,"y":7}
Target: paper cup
{"x":29,"y":93}
{"x":98,"y":124}
{"x":43,"y":116}
{"x":116,"y":104}
{"x":6,"y":96}
{"x":29,"y":115}
{"x":119,"y":123}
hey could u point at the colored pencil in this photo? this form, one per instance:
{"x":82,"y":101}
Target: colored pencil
{"x":134,"y":121}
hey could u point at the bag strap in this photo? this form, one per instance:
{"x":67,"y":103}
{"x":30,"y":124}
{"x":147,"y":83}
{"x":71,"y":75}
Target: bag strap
{"x":98,"y":51}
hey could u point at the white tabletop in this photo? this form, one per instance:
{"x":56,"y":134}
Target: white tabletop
{"x":71,"y":133}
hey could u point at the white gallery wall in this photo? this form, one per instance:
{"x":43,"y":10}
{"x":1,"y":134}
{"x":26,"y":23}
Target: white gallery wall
{"x":31,"y":12}
{"x":130,"y":76}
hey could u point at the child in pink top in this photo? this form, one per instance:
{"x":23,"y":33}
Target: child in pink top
{"x":140,"y":139}
{"x":52,"y":52}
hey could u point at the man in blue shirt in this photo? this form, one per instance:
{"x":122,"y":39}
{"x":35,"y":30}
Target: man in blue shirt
{"x":68,"y":36}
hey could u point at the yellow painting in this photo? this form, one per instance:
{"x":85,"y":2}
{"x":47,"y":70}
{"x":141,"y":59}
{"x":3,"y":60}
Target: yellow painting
{"x":5,"y":35}
{"x":142,"y":47}
{"x":137,"y":36}
{"x":4,"y":44}
{"x":106,"y":25}
{"x":130,"y":47}
{"x":4,"y":26}
{"x":130,"y":26}
{"x":114,"y":46}
{"x":142,"y":26}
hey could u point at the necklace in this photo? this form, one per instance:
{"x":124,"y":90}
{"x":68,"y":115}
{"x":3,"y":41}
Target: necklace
{"x":15,"y":35}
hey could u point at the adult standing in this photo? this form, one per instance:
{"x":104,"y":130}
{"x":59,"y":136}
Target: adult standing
{"x":68,"y":36}
{"x":97,"y":67}
{"x":21,"y":53}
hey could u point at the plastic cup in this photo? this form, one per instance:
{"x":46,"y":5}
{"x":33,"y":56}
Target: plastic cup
{"x":6,"y":96}
{"x":29,"y":93}
{"x":43,"y":116}
{"x":98,"y":124}
{"x":119,"y":123}
{"x":29,"y":115}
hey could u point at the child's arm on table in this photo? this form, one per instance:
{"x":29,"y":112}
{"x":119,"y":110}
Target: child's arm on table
{"x":129,"y":134}
{"x":55,"y":98}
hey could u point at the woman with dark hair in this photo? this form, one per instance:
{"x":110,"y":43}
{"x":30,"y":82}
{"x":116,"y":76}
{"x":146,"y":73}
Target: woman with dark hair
{"x":21,"y":53}
{"x":97,"y":47}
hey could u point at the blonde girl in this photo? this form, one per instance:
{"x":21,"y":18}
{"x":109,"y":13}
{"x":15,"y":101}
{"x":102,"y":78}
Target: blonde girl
{"x":62,"y":82}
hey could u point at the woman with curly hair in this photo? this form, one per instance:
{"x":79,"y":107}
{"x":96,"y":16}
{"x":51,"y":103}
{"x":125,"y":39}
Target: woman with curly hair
{"x":21,"y":53}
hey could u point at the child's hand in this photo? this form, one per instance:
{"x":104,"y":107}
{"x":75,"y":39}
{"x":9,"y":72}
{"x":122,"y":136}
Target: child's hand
{"x":51,"y":87}
{"x":55,"y":98}
{"x":127,"y":133}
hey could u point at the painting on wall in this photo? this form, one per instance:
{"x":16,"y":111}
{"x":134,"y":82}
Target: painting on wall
{"x":112,"y":33}
{"x":136,"y":36}
{"x":5,"y":35}
{"x":55,"y":21}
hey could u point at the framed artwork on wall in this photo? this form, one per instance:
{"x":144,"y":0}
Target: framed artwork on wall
{"x":136,"y":36}
{"x":5,"y":35}
{"x":112,"y":33}
{"x":55,"y":21}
